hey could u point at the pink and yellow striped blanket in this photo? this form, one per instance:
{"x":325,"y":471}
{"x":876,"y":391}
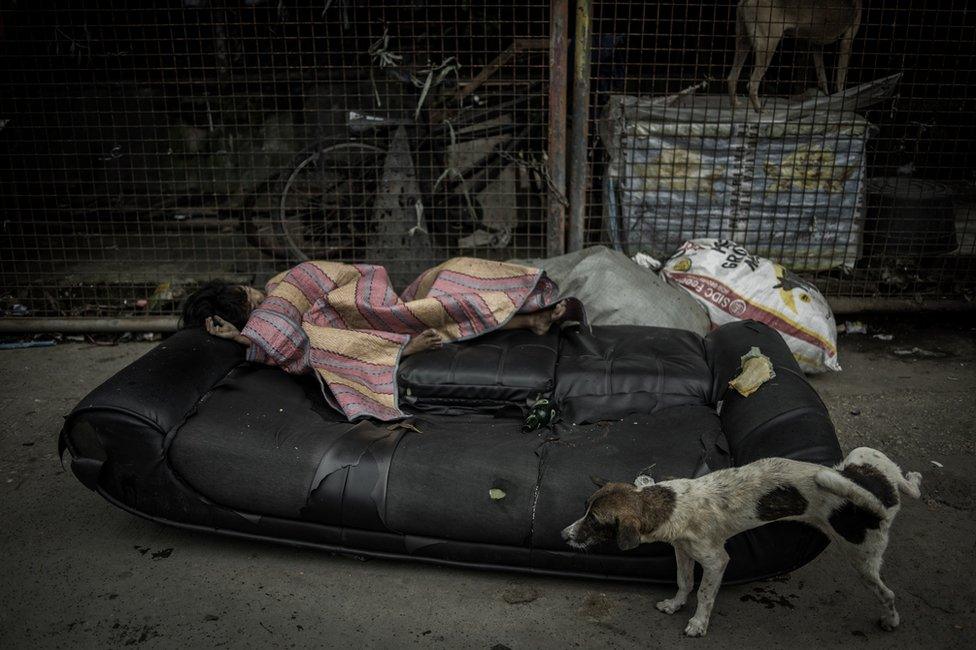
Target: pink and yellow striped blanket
{"x":345,"y":323}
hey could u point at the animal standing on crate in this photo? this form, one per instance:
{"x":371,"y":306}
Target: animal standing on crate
{"x":761,"y":24}
{"x":854,"y":503}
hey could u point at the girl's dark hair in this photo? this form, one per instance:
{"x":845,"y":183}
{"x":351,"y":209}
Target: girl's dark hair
{"x":216,"y":298}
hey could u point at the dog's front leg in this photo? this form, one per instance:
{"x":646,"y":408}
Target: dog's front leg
{"x":686,"y":580}
{"x":713,"y":561}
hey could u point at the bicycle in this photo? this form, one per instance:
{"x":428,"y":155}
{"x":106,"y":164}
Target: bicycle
{"x":325,"y":200}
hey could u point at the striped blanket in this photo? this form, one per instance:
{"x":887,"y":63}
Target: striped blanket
{"x":345,"y":323}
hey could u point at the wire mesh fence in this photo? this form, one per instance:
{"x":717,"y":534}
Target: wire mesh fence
{"x":868,"y":191}
{"x":146,"y":149}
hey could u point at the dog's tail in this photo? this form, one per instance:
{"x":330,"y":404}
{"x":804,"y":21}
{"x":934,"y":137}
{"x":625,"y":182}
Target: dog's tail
{"x":845,"y":488}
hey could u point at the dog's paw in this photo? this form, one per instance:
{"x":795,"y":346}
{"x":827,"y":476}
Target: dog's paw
{"x":888,"y":623}
{"x":914,"y":478}
{"x":696,"y":627}
{"x":669,"y":606}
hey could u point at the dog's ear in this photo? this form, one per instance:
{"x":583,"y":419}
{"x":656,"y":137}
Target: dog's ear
{"x":628,"y":533}
{"x":598,"y":481}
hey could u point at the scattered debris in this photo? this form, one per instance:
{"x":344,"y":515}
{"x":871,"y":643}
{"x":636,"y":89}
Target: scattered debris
{"x":164,"y":292}
{"x":919,"y":352}
{"x":484,"y":239}
{"x":380,"y":53}
{"x":757,"y":369}
{"x":541,"y":414}
{"x":855,"y":411}
{"x":516,"y":595}
{"x":496,"y":494}
{"x":418,"y":228}
{"x":646,"y":261}
{"x":937,"y":463}
{"x":18,"y":345}
{"x":396,"y":214}
{"x":643,"y":481}
{"x":597,"y":606}
{"x":768,"y":597}
{"x":114,"y":154}
{"x":163,"y":554}
{"x":883,"y":337}
{"x":409,"y":426}
{"x":853,"y":327}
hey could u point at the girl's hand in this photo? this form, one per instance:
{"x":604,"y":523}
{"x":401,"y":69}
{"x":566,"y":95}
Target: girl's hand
{"x":217,"y":326}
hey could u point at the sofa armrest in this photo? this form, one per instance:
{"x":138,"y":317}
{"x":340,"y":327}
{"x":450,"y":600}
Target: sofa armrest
{"x":784,"y":418}
{"x":161,"y":387}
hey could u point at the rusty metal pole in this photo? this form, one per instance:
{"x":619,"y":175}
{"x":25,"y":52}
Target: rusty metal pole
{"x":558,"y":27}
{"x":578,"y":162}
{"x":27,"y":325}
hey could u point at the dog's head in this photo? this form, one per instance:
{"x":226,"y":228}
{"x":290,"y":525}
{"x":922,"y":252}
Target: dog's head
{"x":613,"y":513}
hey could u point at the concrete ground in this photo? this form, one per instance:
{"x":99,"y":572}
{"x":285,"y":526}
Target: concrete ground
{"x":76,"y":572}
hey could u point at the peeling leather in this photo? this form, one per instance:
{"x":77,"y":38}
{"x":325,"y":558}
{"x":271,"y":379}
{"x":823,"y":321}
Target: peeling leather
{"x":349,"y":485}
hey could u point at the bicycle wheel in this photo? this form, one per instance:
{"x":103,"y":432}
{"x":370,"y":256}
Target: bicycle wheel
{"x":326,"y":206}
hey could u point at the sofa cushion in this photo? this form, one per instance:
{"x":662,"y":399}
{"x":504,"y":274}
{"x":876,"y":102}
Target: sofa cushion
{"x":441,"y":480}
{"x":503,"y":367}
{"x":254,"y":443}
{"x":615,"y":371}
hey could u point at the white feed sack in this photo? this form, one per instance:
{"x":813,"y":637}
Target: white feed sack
{"x":734,"y":285}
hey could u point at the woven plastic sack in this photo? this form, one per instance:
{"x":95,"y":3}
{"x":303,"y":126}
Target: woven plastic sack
{"x":734,"y":285}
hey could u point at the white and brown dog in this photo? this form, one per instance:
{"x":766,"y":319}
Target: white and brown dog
{"x":854,"y":503}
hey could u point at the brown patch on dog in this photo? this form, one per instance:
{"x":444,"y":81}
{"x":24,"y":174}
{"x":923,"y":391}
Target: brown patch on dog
{"x":873,"y":481}
{"x":657,"y":506}
{"x":782,"y":501}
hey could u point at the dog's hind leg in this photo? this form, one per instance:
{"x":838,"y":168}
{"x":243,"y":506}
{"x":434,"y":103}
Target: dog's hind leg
{"x":818,"y":63}
{"x":765,"y":44}
{"x":713,"y":561}
{"x":866,"y":558}
{"x":911,"y":484}
{"x":686,"y":581}
{"x":844,"y":57}
{"x":742,"y":47}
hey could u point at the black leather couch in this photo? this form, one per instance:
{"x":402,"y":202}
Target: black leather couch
{"x":192,"y":435}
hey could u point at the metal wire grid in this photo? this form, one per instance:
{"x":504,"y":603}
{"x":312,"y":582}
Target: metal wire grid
{"x":914,"y":235}
{"x":145,"y":149}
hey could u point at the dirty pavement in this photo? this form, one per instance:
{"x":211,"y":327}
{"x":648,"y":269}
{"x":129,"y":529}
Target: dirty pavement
{"x":80,"y":573}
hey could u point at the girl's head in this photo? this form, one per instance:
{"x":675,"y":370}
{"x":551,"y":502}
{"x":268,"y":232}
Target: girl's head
{"x":232,"y":302}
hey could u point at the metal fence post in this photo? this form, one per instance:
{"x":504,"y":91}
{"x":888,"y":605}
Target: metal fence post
{"x":578,"y":163}
{"x":558,"y":25}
